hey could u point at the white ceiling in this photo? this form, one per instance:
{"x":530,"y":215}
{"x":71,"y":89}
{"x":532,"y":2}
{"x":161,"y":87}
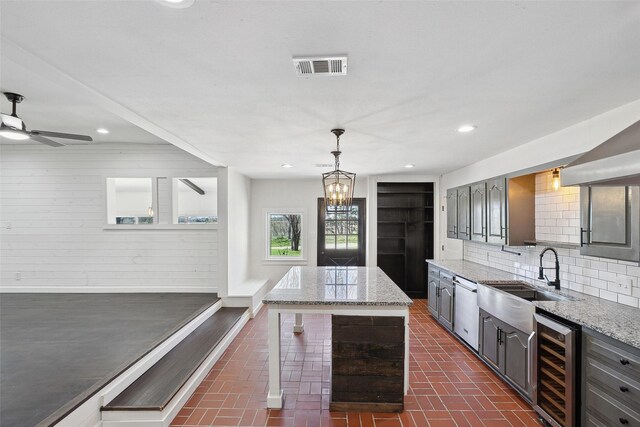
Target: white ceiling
{"x":218,"y":76}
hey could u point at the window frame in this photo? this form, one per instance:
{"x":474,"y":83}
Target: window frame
{"x":154,"y":204}
{"x":304,"y":246}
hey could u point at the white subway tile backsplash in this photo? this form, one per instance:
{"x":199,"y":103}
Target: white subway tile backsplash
{"x":610,"y":296}
{"x":558,"y":220}
{"x":627,"y":300}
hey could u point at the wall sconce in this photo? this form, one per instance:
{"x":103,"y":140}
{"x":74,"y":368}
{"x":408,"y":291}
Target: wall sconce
{"x":555,"y":179}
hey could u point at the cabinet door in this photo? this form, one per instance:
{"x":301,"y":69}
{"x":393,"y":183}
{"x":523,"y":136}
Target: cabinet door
{"x":452,"y":213}
{"x":478,"y":212}
{"x":497,"y":211}
{"x":515,"y":363}
{"x":432,"y":292}
{"x":464,"y":213}
{"x":489,"y":342}
{"x":445,"y":314}
{"x":610,"y":222}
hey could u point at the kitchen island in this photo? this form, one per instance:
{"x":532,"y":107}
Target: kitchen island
{"x":365,"y":295}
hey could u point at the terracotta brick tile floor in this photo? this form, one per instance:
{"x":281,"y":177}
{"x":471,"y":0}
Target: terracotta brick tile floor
{"x":449,"y":386}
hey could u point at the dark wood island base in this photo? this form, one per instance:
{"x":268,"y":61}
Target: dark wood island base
{"x":367,"y":363}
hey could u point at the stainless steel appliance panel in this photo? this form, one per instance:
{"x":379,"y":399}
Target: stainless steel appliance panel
{"x":466,"y":312}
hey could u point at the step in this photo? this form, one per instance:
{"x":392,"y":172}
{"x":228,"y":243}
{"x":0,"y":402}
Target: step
{"x":156,"y":387}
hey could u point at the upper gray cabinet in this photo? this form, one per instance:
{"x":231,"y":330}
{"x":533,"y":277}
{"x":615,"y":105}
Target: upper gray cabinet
{"x":464,"y":213}
{"x":610,"y":222}
{"x":452,"y":213}
{"x":499,"y":211}
{"x":479,"y":212}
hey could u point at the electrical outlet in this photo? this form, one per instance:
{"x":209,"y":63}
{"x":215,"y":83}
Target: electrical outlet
{"x":18,"y":276}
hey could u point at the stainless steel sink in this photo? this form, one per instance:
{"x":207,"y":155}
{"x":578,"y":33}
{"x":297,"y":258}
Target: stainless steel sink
{"x":525,"y":291}
{"x":510,"y":301}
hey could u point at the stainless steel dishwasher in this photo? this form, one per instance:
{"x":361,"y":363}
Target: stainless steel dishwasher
{"x":466,"y":312}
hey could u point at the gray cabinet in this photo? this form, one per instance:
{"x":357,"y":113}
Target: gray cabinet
{"x":479,"y":212}
{"x":506,"y":349}
{"x":440,"y":290}
{"x":464,"y":213}
{"x":611,"y":389}
{"x":452,"y":213}
{"x":489,"y":346}
{"x":516,"y":356}
{"x":610,"y":222}
{"x":433,"y":289}
{"x":445,"y":313}
{"x":497,"y":211}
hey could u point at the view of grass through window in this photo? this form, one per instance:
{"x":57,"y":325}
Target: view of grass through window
{"x":285,"y":235}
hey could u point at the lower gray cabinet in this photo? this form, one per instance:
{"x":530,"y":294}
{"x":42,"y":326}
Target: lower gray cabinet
{"x":445,"y":314}
{"x":489,"y":345}
{"x":611,"y":385}
{"x":516,"y":356}
{"x":433,"y":289}
{"x":440,"y":291}
{"x":506,"y":349}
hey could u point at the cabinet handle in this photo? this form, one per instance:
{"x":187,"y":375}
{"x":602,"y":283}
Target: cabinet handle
{"x":499,"y":336}
{"x":582,"y":233}
{"x":624,"y":361}
{"x":623,"y":420}
{"x":502,"y":229}
{"x":623,"y":389}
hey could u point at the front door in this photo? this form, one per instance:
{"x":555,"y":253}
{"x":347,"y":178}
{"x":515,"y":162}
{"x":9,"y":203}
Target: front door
{"x":341,"y":235}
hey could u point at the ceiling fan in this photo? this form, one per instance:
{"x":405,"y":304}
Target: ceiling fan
{"x":13,"y":127}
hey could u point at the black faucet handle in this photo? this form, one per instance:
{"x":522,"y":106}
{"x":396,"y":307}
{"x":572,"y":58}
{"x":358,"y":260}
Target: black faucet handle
{"x":541,"y":273}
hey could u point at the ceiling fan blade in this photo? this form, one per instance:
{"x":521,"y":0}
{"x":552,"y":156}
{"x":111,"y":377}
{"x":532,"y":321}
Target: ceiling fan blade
{"x":62,"y":135}
{"x":46,"y":141}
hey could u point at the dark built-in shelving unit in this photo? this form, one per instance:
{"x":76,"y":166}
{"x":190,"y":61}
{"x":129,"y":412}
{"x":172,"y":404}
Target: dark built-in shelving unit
{"x":405,"y":233}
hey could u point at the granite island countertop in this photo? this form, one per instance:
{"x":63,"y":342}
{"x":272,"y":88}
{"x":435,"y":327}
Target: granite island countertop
{"x":368,"y":286}
{"x":615,"y":320}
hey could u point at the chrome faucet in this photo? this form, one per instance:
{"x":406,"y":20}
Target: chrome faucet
{"x":542,"y":276}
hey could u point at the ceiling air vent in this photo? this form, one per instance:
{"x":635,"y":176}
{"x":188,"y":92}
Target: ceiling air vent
{"x":321,"y":66}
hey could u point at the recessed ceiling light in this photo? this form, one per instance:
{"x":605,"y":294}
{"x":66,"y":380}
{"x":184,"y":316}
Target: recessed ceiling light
{"x":409,"y":166}
{"x":466,"y":128}
{"x":102,"y":131}
{"x":178,"y":4}
{"x":286,"y":165}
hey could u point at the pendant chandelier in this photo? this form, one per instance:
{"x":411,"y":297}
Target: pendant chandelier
{"x":338,"y":185}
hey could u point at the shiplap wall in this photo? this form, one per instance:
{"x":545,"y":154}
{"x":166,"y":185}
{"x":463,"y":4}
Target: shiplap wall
{"x":53,"y":223}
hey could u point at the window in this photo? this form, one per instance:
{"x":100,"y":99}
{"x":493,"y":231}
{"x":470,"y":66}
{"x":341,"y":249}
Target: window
{"x":195,"y":200}
{"x":130,"y":201}
{"x":285,"y":235}
{"x":163,"y":202}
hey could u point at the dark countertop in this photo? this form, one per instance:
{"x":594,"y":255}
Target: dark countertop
{"x":615,"y":320}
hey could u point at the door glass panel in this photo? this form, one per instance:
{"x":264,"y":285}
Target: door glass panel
{"x":352,"y":242}
{"x":609,"y":215}
{"x":330,"y":242}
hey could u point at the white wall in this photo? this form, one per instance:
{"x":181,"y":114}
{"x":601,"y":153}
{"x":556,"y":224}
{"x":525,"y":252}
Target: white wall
{"x":53,"y":223}
{"x":551,"y":148}
{"x":291,"y":194}
{"x":238,"y":228}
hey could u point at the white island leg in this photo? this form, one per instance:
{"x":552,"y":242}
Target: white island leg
{"x":274,"y":398}
{"x":298,"y":326}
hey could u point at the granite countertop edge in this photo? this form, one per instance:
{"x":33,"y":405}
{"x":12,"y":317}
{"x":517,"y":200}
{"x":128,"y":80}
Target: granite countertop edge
{"x":609,"y":318}
{"x":339,"y":302}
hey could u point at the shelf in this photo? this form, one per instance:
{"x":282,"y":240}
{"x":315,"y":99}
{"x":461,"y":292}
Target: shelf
{"x":391,"y":237}
{"x":392,"y":253}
